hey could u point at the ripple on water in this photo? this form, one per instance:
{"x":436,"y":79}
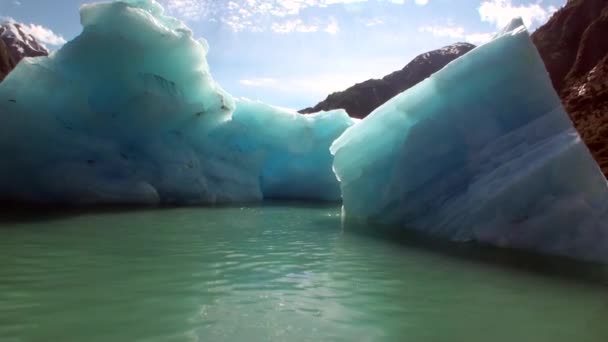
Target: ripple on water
{"x":269,"y":273}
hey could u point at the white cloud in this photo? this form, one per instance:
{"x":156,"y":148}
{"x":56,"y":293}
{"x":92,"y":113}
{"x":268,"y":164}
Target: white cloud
{"x":320,"y":85}
{"x":456,"y":32}
{"x":296,"y":25}
{"x":478,"y":38}
{"x":372,"y":22}
{"x":332,"y":27}
{"x":195,"y":9}
{"x":187,"y":9}
{"x":500,"y":12}
{"x":317,"y":85}
{"x":44,"y":35}
{"x":17,"y":3}
{"x":260,"y":82}
{"x":443,"y":31}
{"x":418,"y":2}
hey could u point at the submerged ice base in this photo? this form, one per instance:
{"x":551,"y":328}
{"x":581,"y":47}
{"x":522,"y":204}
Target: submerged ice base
{"x":128,"y":113}
{"x":483,"y":151}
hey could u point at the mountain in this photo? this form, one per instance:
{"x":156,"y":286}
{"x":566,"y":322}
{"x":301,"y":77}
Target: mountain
{"x":20,"y":43}
{"x":574,"y":48}
{"x":362,"y":98}
{"x":6,"y":62}
{"x":15,"y":44}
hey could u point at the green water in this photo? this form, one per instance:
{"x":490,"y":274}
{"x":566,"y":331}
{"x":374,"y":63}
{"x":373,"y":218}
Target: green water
{"x":273,"y":273}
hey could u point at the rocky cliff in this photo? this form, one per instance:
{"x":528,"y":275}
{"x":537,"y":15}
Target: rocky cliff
{"x":574,"y":47}
{"x":6,"y":62}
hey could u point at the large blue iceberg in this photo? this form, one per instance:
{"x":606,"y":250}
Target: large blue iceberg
{"x":128,"y":112}
{"x":481,"y":151}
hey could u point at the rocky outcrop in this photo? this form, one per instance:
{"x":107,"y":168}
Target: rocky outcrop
{"x":15,"y":44}
{"x":362,"y":98}
{"x":20,"y":43}
{"x":6,"y":62}
{"x":574,"y":47}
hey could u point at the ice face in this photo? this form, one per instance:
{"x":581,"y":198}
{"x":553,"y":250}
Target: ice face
{"x":128,"y":112}
{"x":482,"y":150}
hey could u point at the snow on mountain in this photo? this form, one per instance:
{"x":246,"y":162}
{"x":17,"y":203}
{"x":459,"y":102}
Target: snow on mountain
{"x":20,"y":42}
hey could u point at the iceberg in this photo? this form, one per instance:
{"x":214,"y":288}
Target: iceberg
{"x":128,"y":112}
{"x":480,"y":151}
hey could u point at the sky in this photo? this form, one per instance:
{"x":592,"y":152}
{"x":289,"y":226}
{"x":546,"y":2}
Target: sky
{"x":293,"y":53}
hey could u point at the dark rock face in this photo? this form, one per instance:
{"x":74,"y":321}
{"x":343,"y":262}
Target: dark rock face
{"x":6,"y":62}
{"x":574,"y":47}
{"x":20,"y":44}
{"x":362,"y":98}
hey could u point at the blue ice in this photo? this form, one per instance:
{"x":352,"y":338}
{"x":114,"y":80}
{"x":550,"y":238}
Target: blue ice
{"x":128,"y":112}
{"x":481,"y":151}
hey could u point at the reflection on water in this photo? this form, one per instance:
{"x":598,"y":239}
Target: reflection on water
{"x":274,"y":272}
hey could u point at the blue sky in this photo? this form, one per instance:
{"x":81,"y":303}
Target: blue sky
{"x":293,"y":53}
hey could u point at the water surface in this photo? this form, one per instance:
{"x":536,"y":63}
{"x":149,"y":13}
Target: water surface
{"x":269,"y":273}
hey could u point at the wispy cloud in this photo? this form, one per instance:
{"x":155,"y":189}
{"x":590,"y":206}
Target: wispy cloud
{"x":195,"y":9}
{"x":443,"y":31}
{"x":260,"y":82}
{"x":478,"y":38}
{"x":332,"y":27}
{"x":292,"y":25}
{"x":456,"y":32}
{"x":188,"y":9}
{"x":500,"y":12}
{"x":319,"y":84}
{"x":369,"y":22}
{"x":241,"y":15}
{"x":417,"y":2}
{"x":44,"y":35}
